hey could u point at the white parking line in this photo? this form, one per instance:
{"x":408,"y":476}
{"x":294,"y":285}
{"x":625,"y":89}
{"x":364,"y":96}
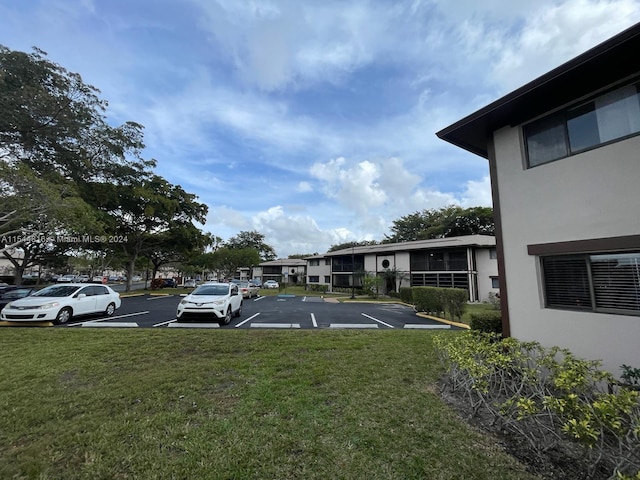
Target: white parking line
{"x":259,"y":298}
{"x":275,"y":325}
{"x":247,"y":320}
{"x":156,"y":297}
{"x":353,"y":325}
{"x":193,"y":325}
{"x":313,"y":320}
{"x":376,"y":320}
{"x":110,"y":324}
{"x":81,"y":324}
{"x":165,"y":323}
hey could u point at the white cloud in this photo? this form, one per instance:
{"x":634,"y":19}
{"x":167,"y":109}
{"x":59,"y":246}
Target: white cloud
{"x":477,"y":193}
{"x":555,"y":34}
{"x":304,"y":187}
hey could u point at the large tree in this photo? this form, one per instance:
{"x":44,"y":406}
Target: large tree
{"x":54,"y":138}
{"x":137,"y":212}
{"x":450,"y":221}
{"x":252,"y":239}
{"x":226,"y":261}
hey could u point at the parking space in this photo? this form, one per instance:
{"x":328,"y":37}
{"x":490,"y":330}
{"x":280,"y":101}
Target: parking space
{"x":283,"y":311}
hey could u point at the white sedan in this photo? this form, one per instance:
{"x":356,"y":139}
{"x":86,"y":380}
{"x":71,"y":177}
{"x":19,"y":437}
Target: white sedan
{"x":59,"y":303}
{"x":270,"y":284}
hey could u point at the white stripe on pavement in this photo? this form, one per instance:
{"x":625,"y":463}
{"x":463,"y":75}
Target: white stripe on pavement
{"x":376,"y":320}
{"x":247,"y":320}
{"x":275,"y":325}
{"x":313,"y":320}
{"x":193,"y":325}
{"x":110,"y":324}
{"x":353,"y":325}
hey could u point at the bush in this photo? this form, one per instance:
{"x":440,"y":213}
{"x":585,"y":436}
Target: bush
{"x":548,"y":397}
{"x":428,"y":299}
{"x":157,"y":283}
{"x":406,"y":295}
{"x":454,"y":301}
{"x":487,"y":322}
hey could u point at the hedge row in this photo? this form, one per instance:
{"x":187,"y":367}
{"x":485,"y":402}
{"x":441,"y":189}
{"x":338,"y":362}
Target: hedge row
{"x":436,"y":301}
{"x":487,"y":322}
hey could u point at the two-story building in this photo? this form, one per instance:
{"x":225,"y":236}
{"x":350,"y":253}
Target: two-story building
{"x":467,"y":262}
{"x":564,"y":160}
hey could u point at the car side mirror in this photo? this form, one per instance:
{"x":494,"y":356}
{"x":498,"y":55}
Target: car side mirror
{"x":81,"y":295}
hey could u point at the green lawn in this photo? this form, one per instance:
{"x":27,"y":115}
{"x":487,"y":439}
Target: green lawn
{"x":231,"y":404}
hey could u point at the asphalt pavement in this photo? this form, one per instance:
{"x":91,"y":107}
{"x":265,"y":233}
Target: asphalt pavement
{"x":282,"y":311}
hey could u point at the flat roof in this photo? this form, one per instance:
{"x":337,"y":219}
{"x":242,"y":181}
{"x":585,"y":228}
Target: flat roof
{"x":603,"y":65}
{"x":436,"y":243}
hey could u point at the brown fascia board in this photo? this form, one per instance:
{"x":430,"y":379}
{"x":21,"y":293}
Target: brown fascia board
{"x":602,"y":65}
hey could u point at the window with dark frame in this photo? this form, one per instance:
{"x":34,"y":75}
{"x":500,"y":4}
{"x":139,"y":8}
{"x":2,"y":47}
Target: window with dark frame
{"x":599,"y":282}
{"x":612,"y":116}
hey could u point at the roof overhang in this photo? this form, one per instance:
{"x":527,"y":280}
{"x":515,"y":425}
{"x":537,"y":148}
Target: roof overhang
{"x":603,"y":65}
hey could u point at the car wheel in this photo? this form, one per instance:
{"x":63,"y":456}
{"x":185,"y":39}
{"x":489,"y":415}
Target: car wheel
{"x":111,"y":308}
{"x":64,"y":315}
{"x":239,"y":311}
{"x":227,"y":318}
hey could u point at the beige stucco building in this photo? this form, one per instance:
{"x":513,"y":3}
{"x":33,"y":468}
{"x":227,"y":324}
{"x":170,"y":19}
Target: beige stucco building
{"x":564,"y":159}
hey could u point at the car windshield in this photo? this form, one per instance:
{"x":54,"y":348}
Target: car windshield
{"x":211,"y":290}
{"x":56,"y":291}
{"x":17,"y":293}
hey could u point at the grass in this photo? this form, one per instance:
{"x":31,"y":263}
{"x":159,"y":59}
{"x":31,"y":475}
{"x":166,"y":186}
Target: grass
{"x":232,"y":404}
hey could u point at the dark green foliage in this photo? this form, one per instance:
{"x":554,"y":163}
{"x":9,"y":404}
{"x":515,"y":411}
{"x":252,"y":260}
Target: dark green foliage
{"x":406,"y":294}
{"x":434,"y":300}
{"x":450,"y":221}
{"x":428,"y":299}
{"x":487,"y":322}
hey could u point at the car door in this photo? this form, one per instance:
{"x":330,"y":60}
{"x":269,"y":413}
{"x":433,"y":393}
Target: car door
{"x":235,"y":297}
{"x":84,"y":301}
{"x":102,"y":298}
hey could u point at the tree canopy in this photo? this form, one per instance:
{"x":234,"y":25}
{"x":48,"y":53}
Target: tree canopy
{"x":252,"y":239}
{"x":450,"y":221}
{"x":65,"y":172}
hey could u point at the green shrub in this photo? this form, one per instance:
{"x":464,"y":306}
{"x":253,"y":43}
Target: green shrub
{"x":487,"y":321}
{"x":428,"y":299}
{"x":454,"y":301}
{"x":157,"y":283}
{"x":406,"y":295}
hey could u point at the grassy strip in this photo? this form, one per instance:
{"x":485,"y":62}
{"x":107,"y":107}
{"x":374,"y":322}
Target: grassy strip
{"x":241,"y":404}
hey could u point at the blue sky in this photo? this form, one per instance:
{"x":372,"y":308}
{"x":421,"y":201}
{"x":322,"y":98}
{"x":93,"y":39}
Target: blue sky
{"x":312,"y":122}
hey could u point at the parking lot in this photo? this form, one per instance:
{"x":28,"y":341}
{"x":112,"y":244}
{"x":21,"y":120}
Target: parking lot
{"x":282,"y":311}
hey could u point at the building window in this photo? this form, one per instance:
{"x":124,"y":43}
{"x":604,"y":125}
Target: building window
{"x":327,"y":279}
{"x":493,"y":253}
{"x":385,"y":263}
{"x":439,"y":260}
{"x":314,"y":279}
{"x":606,"y":118}
{"x":327,"y":261}
{"x":604,"y":282}
{"x":495,"y":282}
{"x":314,"y":263}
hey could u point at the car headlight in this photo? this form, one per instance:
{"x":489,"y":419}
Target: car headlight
{"x":184,"y":301}
{"x":48,"y":305}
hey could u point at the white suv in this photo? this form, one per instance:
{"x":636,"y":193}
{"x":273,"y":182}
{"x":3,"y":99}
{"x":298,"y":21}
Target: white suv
{"x":211,"y":301}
